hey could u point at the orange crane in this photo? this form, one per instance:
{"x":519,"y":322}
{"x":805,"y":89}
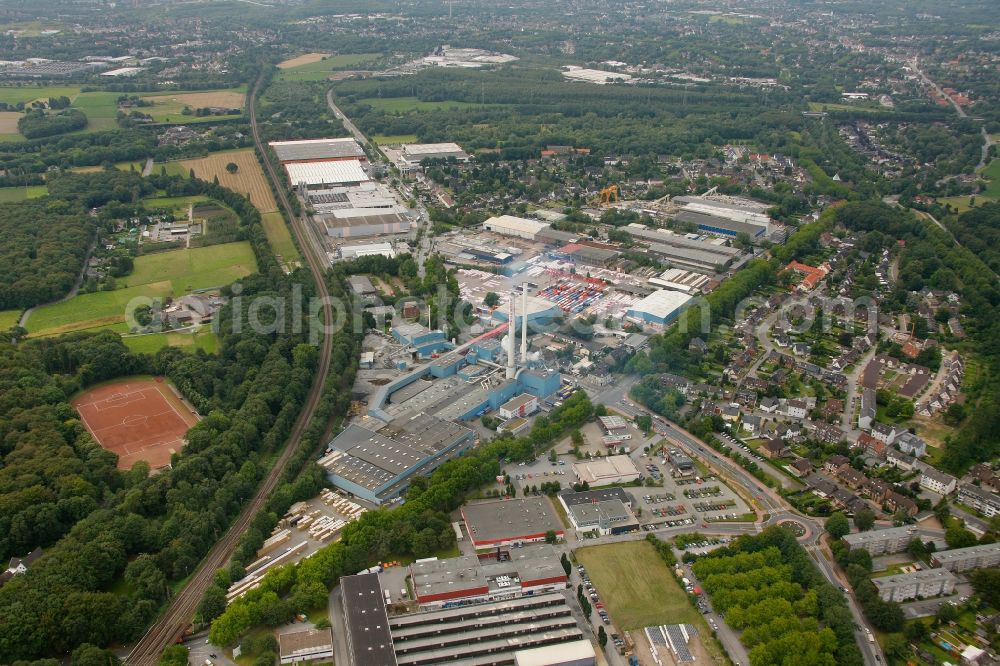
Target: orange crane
{"x":608,"y":193}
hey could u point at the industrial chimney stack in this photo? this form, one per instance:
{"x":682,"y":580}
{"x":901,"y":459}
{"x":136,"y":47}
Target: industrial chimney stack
{"x":524,"y":325}
{"x":511,"y":336}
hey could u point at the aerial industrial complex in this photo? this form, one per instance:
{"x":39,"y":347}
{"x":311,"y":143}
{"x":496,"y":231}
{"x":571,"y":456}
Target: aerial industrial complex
{"x":499,"y":607}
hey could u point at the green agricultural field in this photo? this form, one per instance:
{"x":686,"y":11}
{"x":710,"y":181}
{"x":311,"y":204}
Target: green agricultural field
{"x":171,"y":273}
{"x":194,"y":268}
{"x":636,"y":585}
{"x":168,"y":107}
{"x":101,"y":109}
{"x":9,"y":319}
{"x":15,"y":94}
{"x":390,"y":139}
{"x":280,"y":237}
{"x":828,"y":106}
{"x":9,"y":194}
{"x":173,"y":203}
{"x":153,"y":342}
{"x":317,"y":71}
{"x":100,"y":309}
{"x":404,"y":104}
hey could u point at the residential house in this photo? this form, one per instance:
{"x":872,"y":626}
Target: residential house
{"x":796,"y":409}
{"x":938,"y":482}
{"x":876,"y":490}
{"x":821,"y":486}
{"x":833,"y":408}
{"x":18,"y":565}
{"x":730,"y":413}
{"x":980,"y":499}
{"x":871,"y":446}
{"x":751,"y":423}
{"x":986,"y":476}
{"x":769,"y":405}
{"x":774,"y":448}
{"x":834,"y":462}
{"x":910,"y":443}
{"x":885,"y":433}
{"x":866,"y":416}
{"x":851,"y":477}
{"x":697,"y":345}
{"x":897,"y":502}
{"x":899,"y":459}
{"x":801,"y":468}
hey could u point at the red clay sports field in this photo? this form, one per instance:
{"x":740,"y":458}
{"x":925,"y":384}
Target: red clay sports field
{"x":139,"y":419}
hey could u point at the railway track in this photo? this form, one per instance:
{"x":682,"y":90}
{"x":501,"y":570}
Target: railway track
{"x":172,"y":624}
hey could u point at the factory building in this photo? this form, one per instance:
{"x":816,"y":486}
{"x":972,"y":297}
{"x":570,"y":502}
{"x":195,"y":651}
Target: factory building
{"x":361,"y":222}
{"x":883,"y":542}
{"x":366,"y":250}
{"x":586,"y":254}
{"x":305,"y":646}
{"x":603,"y":517}
{"x":519,"y":227}
{"x":490,"y":576}
{"x":570,"y":498}
{"x":366,"y":621}
{"x":965,"y":559}
{"x":407,"y":158}
{"x":326,"y":174}
{"x":606,"y":471}
{"x":927,"y":583}
{"x":676,"y":279}
{"x":509,"y":522}
{"x":615,"y":429}
{"x":540,"y":311}
{"x":497,"y":632}
{"x":659,"y":308}
{"x":725,"y":216}
{"x":523,"y":405}
{"x":318,"y":150}
{"x":375,"y":461}
{"x":422,"y":340}
{"x":365,"y":195}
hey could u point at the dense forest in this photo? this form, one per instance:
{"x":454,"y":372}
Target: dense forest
{"x":37,"y":124}
{"x":768,"y":587}
{"x":131,"y":536}
{"x":979,"y":231}
{"x":45,"y":244}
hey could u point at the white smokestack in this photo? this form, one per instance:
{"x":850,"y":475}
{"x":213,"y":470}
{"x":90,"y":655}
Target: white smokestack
{"x":511,"y":336}
{"x":524,"y":324}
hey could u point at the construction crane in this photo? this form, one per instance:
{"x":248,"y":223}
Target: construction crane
{"x":608,"y":193}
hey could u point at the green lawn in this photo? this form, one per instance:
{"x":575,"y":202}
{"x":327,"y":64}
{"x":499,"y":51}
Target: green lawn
{"x":636,"y":585}
{"x":404,"y":104}
{"x":9,"y":194}
{"x":127,"y":166}
{"x":280,"y":237}
{"x":992,"y":172}
{"x":153,"y":342}
{"x":171,"y":273}
{"x":317,"y":71}
{"x":390,"y":139}
{"x":194,"y":268}
{"x":9,"y":318}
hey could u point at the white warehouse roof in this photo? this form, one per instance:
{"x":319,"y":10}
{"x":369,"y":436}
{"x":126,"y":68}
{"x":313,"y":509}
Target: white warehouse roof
{"x":512,"y":223}
{"x":326,"y":173}
{"x":313,"y":149}
{"x":429,"y":149}
{"x":661,"y":304}
{"x":575,"y":652}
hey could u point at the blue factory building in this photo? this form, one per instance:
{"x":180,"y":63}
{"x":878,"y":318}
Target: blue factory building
{"x":422,"y":339}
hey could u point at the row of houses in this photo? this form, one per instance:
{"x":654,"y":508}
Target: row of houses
{"x":949,"y":388}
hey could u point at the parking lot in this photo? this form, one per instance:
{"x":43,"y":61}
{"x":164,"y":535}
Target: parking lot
{"x":669,"y":502}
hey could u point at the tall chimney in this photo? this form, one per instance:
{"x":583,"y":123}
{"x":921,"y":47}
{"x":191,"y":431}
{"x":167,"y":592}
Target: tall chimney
{"x":511,"y":336}
{"x":524,"y":325}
